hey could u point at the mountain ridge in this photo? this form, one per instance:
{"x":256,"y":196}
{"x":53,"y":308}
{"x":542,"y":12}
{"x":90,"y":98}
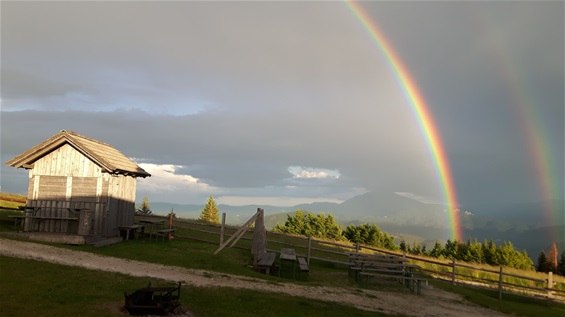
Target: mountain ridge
{"x":401,"y":217}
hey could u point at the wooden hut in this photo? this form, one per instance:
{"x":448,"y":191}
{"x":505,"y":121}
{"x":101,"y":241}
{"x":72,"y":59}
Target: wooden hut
{"x":78,"y":186}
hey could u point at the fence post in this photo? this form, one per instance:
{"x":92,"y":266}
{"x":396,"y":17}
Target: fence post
{"x":357,"y":247}
{"x":309,"y":249}
{"x":549,"y":284}
{"x":500,"y":284}
{"x":453,"y":271}
{"x":222,"y":228}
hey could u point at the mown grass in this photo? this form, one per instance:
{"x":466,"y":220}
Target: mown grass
{"x":511,"y":304}
{"x":192,"y":254}
{"x":30,"y":288}
{"x":198,"y":255}
{"x":7,"y":223}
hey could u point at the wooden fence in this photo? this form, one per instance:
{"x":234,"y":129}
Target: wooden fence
{"x":501,"y":279}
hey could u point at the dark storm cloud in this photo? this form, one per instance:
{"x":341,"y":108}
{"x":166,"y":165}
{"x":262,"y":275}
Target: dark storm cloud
{"x":233,"y":94}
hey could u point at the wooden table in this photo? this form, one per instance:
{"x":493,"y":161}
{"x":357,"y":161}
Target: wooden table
{"x":266,"y":262}
{"x":288,"y":260}
{"x":152,"y":226}
{"x":288,"y":254}
{"x":130,"y":230}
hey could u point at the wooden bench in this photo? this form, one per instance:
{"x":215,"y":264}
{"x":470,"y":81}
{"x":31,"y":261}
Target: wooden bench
{"x":303,"y":267}
{"x":130,"y":231}
{"x":414,"y":283}
{"x":383,"y":267}
{"x":169,"y":233}
{"x":266,"y":262}
{"x":35,"y":221}
{"x":52,"y":218}
{"x":375,"y":263}
{"x":18,"y":222}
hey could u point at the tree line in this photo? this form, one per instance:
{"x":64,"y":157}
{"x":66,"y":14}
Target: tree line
{"x":486,"y":252}
{"x":325,"y":226}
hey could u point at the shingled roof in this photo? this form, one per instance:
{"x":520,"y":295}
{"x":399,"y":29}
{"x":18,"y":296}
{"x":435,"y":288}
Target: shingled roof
{"x":104,"y":155}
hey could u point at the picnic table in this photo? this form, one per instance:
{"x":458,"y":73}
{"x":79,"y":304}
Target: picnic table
{"x":129,"y":231}
{"x":266,"y":262}
{"x":152,"y":226}
{"x":364,"y":267}
{"x":288,"y":262}
{"x":288,"y":254}
{"x":303,"y":267}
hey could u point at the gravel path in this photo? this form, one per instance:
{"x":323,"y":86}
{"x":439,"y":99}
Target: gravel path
{"x":433,"y":302}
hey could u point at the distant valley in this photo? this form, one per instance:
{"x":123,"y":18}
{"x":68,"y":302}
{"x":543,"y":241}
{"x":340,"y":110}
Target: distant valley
{"x":411,"y":220}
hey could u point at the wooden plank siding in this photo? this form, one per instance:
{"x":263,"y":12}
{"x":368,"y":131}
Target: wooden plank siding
{"x":72,"y":171}
{"x":121,"y":197}
{"x":51,"y":187}
{"x":55,"y":209}
{"x":66,"y":161}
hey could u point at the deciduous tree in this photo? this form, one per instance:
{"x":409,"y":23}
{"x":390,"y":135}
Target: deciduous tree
{"x":552,"y":257}
{"x":369,"y":234}
{"x":307,"y":224}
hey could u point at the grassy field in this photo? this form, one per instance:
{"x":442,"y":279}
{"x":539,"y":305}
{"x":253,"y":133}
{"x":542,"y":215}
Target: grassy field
{"x":44,"y":289}
{"x":11,"y":201}
{"x":511,"y":304}
{"x":193,"y":254}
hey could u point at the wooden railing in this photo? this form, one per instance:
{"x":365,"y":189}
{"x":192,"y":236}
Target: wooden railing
{"x":502,"y":279}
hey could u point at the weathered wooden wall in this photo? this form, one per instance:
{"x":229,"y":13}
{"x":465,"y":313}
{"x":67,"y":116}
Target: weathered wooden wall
{"x":66,"y":161}
{"x":66,"y":175}
{"x":121,"y":199}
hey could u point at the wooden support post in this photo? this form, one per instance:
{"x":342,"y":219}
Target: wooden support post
{"x":549,"y":284}
{"x":500,"y":284}
{"x":171,"y":218}
{"x":309,"y":249}
{"x":222,"y":228}
{"x":237,"y":235}
{"x":453,"y":271}
{"x":403,"y":266}
{"x":259,"y":243}
{"x":357,"y":247}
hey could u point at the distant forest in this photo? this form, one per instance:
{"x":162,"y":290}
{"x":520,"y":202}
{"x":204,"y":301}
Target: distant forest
{"x":486,"y":252}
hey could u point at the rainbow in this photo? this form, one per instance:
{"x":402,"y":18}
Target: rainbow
{"x":423,"y":116}
{"x":546,"y":175}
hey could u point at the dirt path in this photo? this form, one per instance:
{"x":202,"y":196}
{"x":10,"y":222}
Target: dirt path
{"x":433,"y":302}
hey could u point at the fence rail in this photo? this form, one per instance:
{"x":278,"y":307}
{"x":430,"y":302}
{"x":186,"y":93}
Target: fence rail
{"x":337,"y":253}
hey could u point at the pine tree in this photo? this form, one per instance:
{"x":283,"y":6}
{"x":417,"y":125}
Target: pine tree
{"x":437,"y":251}
{"x":403,"y":246}
{"x":542,"y":263}
{"x":210,"y":213}
{"x":561,"y":265}
{"x":144,"y":208}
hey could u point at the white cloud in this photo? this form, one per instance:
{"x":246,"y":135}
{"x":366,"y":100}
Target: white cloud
{"x":279,"y":201}
{"x":420,"y":198}
{"x":164,"y":178}
{"x":300,"y":172}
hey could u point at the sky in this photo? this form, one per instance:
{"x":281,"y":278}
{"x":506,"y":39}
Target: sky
{"x":281,"y":103}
